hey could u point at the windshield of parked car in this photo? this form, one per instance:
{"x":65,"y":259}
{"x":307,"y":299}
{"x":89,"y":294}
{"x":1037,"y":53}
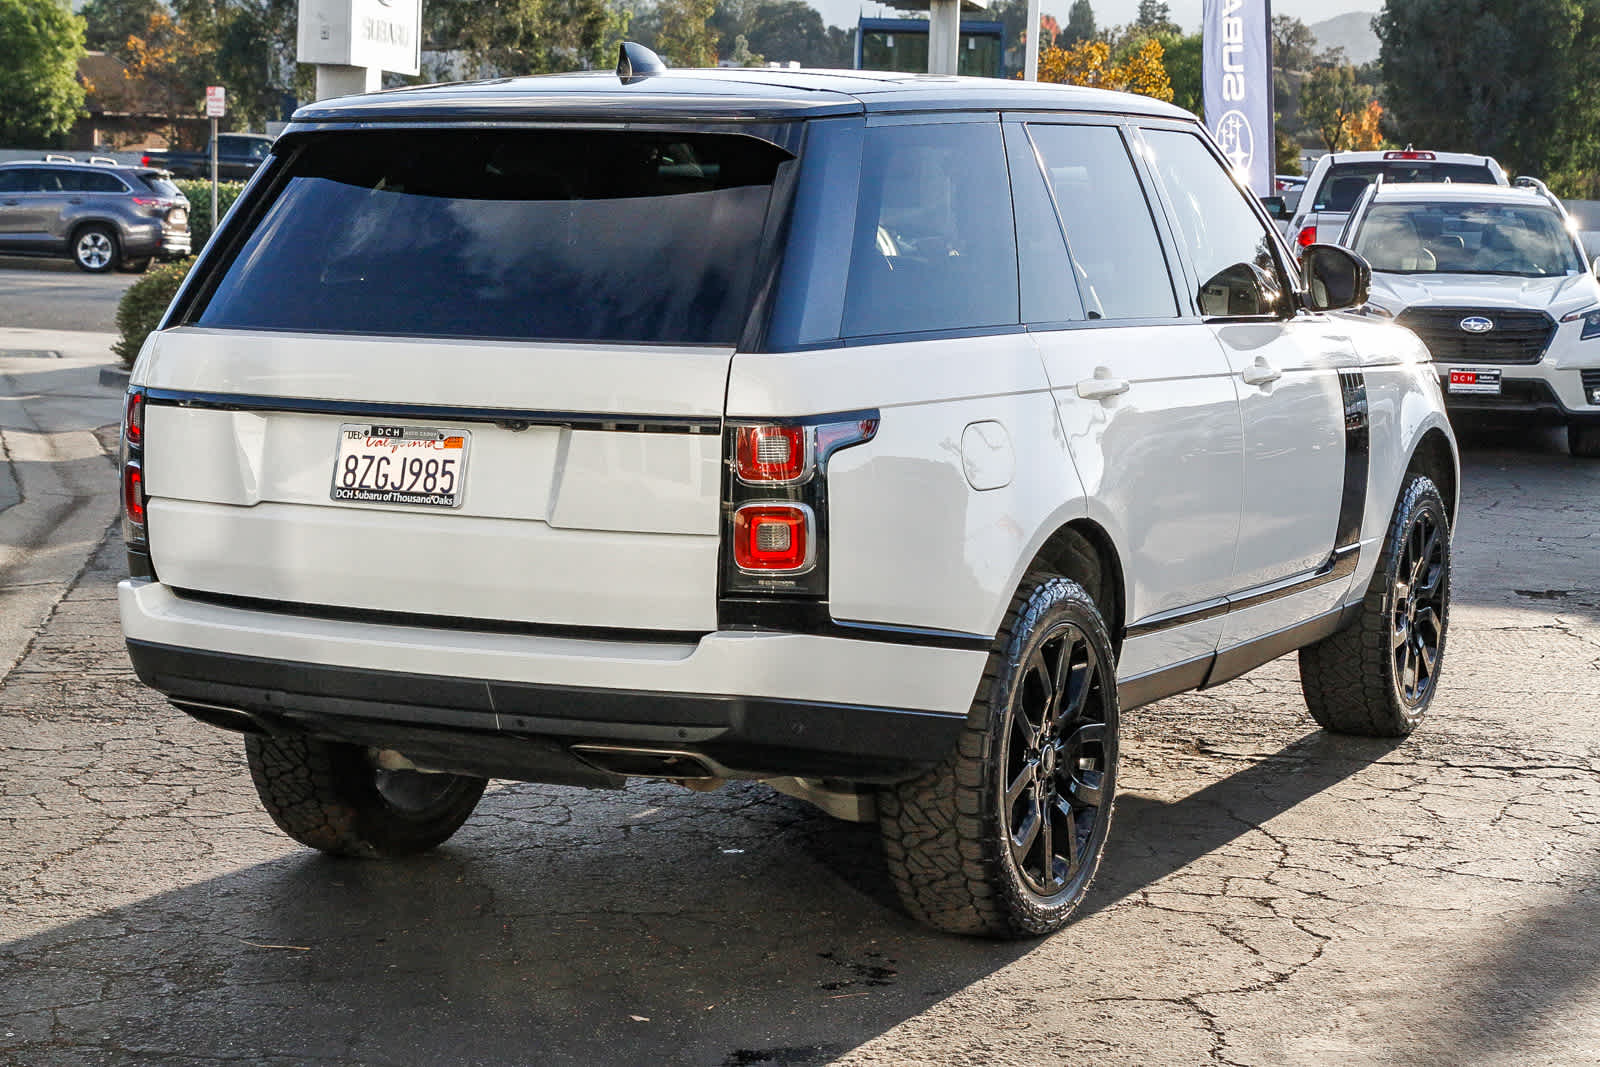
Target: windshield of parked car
{"x":548,"y":235}
{"x":1344,"y":183}
{"x":1460,"y":238}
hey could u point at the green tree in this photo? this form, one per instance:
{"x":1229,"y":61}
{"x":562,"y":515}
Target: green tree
{"x":506,"y":38}
{"x":1294,"y":47}
{"x":1510,"y":78}
{"x":1155,"y":16}
{"x":687,"y":38}
{"x":40,"y":97}
{"x":1184,"y":61}
{"x":1330,"y":100}
{"x":1080,"y":24}
{"x":109,"y":23}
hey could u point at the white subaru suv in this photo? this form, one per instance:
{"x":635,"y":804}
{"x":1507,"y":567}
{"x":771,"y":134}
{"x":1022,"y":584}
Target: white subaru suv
{"x":1495,"y":282}
{"x":881,"y":437}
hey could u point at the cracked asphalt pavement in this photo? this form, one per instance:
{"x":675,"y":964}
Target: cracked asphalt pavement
{"x":1272,"y":894}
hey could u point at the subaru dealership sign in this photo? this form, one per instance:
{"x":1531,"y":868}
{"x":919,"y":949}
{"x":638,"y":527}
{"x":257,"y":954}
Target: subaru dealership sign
{"x":1236,"y":38}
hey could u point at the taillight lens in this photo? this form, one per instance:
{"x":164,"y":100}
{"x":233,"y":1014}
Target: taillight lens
{"x":775,"y":515}
{"x":133,"y":496}
{"x":774,"y":538}
{"x":133,"y":418}
{"x":772,"y":454}
{"x":1306,"y":237}
{"x":133,"y":493}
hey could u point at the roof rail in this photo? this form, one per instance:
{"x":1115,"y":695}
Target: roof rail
{"x":1524,"y":181}
{"x":104,"y":161}
{"x":57,"y":157}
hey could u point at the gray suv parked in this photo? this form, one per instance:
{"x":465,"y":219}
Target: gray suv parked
{"x":102,"y":216}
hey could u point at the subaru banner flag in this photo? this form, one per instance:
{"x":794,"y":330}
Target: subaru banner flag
{"x":1236,"y":38}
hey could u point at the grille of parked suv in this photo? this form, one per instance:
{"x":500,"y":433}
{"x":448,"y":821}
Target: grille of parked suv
{"x":1517,"y":337}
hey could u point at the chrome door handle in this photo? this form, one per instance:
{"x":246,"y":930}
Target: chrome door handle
{"x":1102,"y":388}
{"x":1260,"y":373}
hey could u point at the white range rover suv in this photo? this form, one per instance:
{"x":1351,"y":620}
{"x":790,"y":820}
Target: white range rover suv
{"x":1495,"y":283}
{"x":881,"y":437}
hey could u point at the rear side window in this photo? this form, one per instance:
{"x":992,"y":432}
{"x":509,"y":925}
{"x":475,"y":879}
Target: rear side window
{"x":529,"y":235}
{"x":933,"y":246}
{"x":1116,"y":254}
{"x":90,"y":181}
{"x":159,"y":184}
{"x":10,"y":181}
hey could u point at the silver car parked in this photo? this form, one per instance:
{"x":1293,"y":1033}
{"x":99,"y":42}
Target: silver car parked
{"x":101,"y":215}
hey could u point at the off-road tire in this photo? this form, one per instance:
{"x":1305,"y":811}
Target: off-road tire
{"x":1350,"y":680}
{"x":1583,"y":440}
{"x":95,"y":249}
{"x":946,"y":834}
{"x":327,"y":796}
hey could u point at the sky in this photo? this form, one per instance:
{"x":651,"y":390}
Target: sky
{"x":1185,"y":13}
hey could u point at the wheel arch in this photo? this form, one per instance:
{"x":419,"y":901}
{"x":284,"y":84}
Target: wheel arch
{"x":1435,"y":457}
{"x":1083,"y":551}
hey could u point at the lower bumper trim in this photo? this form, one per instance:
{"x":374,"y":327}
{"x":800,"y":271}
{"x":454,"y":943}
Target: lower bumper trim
{"x":524,"y":731}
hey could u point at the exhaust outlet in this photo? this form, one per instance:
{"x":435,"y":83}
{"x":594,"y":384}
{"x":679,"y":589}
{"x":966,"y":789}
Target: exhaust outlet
{"x":690,"y":768}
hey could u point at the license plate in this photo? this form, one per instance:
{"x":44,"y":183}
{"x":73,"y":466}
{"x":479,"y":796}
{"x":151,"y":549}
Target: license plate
{"x":178,"y":217}
{"x":1474,"y":381}
{"x":418,"y":465}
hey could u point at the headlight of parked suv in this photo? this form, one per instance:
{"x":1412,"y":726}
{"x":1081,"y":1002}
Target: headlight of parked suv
{"x":1591,"y":322}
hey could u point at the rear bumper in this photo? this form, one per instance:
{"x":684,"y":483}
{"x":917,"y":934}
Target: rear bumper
{"x":512,"y":705}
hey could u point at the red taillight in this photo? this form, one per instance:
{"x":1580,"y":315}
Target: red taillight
{"x":1408,"y":154}
{"x":772,"y":454}
{"x":133,"y":493}
{"x":133,"y":418}
{"x":1306,"y":237}
{"x":144,"y":161}
{"x":773,"y":538}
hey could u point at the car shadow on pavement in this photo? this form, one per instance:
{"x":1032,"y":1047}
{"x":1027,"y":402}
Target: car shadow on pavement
{"x":1153,"y":839}
{"x":742,"y":928}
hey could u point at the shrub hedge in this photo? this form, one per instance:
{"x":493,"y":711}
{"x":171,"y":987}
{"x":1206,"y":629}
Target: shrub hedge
{"x":144,"y":301}
{"x":199,"y":194}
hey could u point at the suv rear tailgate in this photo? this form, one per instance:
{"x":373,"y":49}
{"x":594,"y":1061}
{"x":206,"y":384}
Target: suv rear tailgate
{"x":590,"y":493}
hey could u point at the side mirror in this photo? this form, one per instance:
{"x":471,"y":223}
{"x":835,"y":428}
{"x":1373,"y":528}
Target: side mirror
{"x":1277,"y":207}
{"x":1336,"y":278}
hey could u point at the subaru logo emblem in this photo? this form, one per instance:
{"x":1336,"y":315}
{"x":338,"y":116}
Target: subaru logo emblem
{"x":1477,"y":324}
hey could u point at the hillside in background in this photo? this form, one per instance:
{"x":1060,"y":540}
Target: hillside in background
{"x":1351,"y":31}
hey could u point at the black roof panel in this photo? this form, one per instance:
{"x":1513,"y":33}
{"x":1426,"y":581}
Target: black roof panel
{"x":720,"y":95}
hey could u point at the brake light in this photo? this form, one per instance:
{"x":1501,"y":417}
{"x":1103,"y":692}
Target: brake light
{"x":133,"y":493}
{"x":133,"y":418}
{"x":1306,"y":237}
{"x":144,"y":161}
{"x":775,"y":508}
{"x":773,"y":538}
{"x":772,"y":454}
{"x":1408,"y":154}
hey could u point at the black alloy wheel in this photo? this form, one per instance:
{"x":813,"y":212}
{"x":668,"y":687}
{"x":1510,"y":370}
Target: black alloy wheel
{"x":1416,"y":629}
{"x":1004,"y":836}
{"x":1057,"y":769}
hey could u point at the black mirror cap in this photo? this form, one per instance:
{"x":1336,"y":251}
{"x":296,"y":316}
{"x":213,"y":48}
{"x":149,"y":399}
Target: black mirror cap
{"x":635,"y":61}
{"x":1336,"y":278}
{"x":1277,"y":207}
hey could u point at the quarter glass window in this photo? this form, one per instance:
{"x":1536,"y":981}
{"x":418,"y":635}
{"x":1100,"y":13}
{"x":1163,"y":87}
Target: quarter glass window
{"x":933,"y":247}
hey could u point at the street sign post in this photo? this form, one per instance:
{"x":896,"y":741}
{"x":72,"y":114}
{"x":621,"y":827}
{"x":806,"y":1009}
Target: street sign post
{"x":216,"y":107}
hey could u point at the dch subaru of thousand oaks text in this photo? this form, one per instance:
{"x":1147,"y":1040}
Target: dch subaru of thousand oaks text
{"x":880,"y":437}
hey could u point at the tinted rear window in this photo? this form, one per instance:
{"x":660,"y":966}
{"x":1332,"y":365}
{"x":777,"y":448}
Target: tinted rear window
{"x":160,"y":184}
{"x":529,"y":235}
{"x":1344,"y":183}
